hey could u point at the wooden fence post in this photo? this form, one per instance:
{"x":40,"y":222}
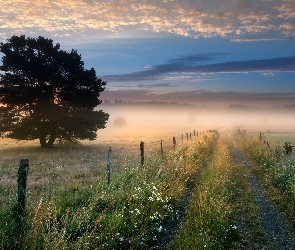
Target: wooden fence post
{"x":190,"y":135}
{"x":174,"y":142}
{"x":182,"y":138}
{"x":142,"y":153}
{"x":187,"y":136}
{"x":161,"y":147}
{"x":22,"y":185}
{"x":109,"y":163}
{"x":260,"y":136}
{"x":194,"y":132}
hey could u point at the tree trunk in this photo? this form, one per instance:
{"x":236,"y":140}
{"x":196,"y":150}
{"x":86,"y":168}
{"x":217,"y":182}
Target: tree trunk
{"x":47,"y":144}
{"x":51,"y":140}
{"x":42,"y":142}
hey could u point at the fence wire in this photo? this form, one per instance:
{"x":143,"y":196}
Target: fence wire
{"x":70,"y":168}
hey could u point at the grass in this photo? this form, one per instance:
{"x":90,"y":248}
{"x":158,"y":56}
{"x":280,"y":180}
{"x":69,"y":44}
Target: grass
{"x":223,"y":213}
{"x":210,"y":221}
{"x":275,"y":171}
{"x":280,"y":137}
{"x":70,"y":206}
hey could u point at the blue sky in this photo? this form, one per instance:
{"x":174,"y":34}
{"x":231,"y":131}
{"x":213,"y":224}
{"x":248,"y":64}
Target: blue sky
{"x":198,"y":51}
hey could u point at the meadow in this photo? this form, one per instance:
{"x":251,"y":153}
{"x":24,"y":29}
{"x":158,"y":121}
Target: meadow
{"x":279,"y":137}
{"x":193,"y":196}
{"x":67,"y":180}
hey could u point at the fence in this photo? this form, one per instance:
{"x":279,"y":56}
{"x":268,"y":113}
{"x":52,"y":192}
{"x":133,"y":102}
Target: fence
{"x":286,"y":146}
{"x":55,"y":171}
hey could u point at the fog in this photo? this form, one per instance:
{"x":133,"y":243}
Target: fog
{"x":161,"y":121}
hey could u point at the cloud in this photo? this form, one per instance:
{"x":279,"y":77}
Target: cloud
{"x":288,"y":29}
{"x":287,"y":10}
{"x":187,"y":65}
{"x":195,"y":58}
{"x":110,"y":18}
{"x":284,"y":64}
{"x":143,"y":86}
{"x":254,"y":39}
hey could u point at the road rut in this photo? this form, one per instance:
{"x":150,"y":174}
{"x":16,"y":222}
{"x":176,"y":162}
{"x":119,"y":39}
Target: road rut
{"x":276,"y":230}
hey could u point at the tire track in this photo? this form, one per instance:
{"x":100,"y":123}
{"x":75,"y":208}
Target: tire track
{"x":275,"y":228}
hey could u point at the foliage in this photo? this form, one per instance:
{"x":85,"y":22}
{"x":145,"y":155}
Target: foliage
{"x":288,"y":148}
{"x":46,"y":94}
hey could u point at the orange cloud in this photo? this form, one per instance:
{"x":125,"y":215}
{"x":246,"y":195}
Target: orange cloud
{"x":198,"y":19}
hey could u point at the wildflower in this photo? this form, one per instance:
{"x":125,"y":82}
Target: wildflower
{"x":156,"y":216}
{"x":160,"y":229}
{"x":137,"y":211}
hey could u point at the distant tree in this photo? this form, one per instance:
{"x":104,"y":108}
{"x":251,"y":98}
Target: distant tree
{"x":119,"y":122}
{"x":46,"y":94}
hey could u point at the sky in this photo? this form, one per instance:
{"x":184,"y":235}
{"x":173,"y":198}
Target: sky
{"x":203,"y":52}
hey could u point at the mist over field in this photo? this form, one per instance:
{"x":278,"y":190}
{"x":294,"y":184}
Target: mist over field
{"x":173,"y":118}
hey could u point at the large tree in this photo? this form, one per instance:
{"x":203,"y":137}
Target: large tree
{"x":46,"y":94}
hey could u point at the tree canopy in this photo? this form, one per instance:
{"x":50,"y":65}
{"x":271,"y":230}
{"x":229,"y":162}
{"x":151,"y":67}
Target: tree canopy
{"x":46,"y":94}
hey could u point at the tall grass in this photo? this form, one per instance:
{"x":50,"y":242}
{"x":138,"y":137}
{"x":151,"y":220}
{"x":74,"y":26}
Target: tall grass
{"x":211,"y":222}
{"x":276,"y":171}
{"x":80,"y":211}
{"x":223,"y":212}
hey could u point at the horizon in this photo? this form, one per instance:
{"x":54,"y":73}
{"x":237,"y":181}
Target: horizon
{"x":122,"y":102}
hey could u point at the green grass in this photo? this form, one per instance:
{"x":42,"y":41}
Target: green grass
{"x":223,"y":213}
{"x":280,"y":137}
{"x":210,"y":222}
{"x":70,"y":206}
{"x":276,"y":172}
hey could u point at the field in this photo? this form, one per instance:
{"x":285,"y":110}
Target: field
{"x":193,"y":196}
{"x":280,"y":137}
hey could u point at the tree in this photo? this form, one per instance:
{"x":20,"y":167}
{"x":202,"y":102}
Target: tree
{"x":120,"y":122}
{"x":46,"y":94}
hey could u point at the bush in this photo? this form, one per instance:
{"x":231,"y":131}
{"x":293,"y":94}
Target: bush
{"x":119,"y":122}
{"x":288,"y":148}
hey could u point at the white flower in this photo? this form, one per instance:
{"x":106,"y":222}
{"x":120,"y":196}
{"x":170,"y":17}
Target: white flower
{"x":160,"y":229}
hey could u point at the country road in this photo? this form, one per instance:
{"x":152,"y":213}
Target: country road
{"x":276,"y":230}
